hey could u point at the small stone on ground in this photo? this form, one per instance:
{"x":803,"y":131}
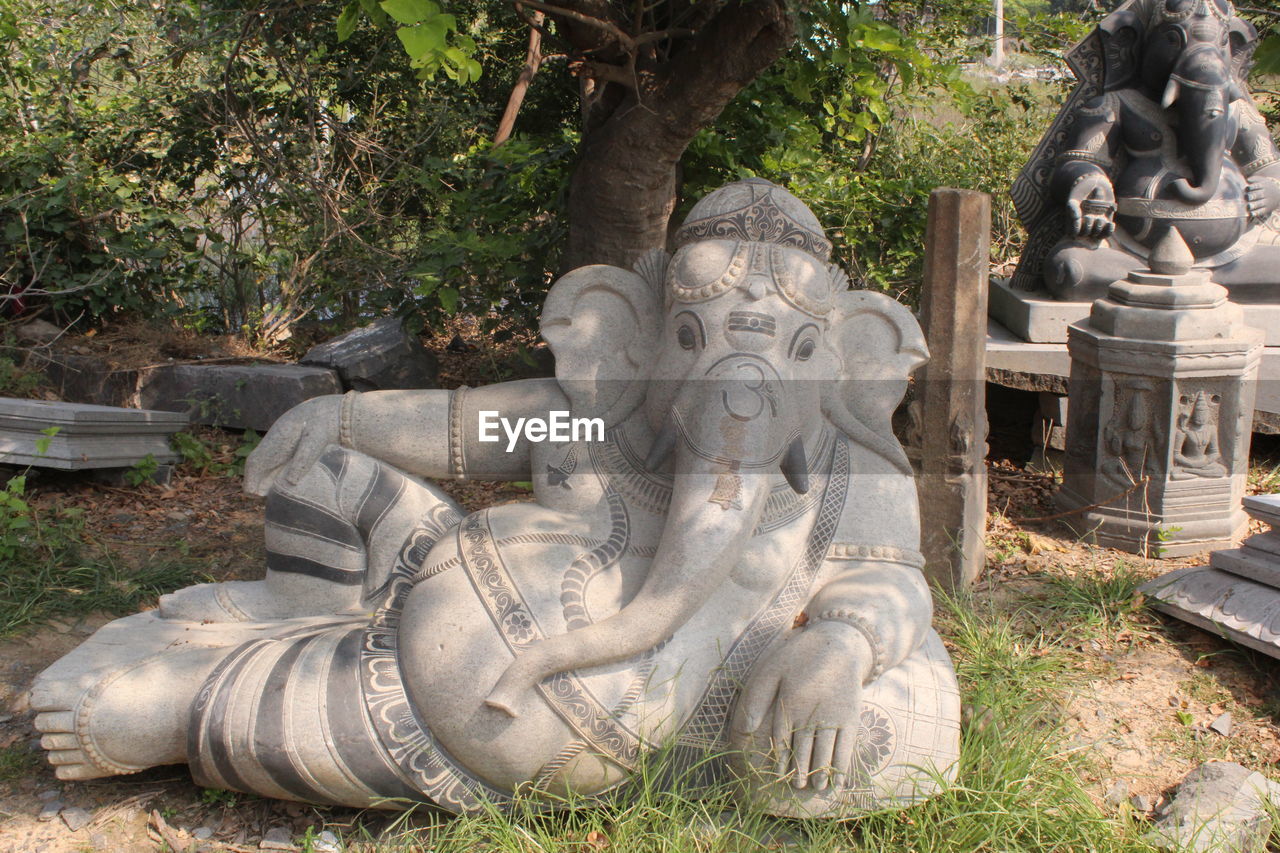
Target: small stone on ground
{"x":326,"y":842}
{"x":277,"y":838}
{"x":1222,"y":724}
{"x":76,"y":818}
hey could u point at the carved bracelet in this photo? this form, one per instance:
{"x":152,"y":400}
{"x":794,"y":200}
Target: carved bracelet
{"x":457,"y":460}
{"x":346,"y":434}
{"x":853,"y":620}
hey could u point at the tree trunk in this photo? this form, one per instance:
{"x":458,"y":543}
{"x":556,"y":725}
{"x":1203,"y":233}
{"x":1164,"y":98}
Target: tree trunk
{"x":624,"y":186}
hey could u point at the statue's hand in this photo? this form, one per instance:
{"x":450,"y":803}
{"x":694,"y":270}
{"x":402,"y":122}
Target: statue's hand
{"x":1262,"y":196}
{"x":813,"y":682}
{"x":293,"y":444}
{"x":1091,"y":205}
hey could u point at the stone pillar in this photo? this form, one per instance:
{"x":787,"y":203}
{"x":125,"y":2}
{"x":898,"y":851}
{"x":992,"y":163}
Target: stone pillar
{"x":950,"y":406}
{"x":1161,"y":401}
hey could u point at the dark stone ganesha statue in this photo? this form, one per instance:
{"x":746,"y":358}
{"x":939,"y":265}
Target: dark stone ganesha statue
{"x":1160,"y":133}
{"x":729,"y":565}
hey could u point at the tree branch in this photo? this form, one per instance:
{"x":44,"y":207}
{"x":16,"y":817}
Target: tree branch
{"x":532,"y":61}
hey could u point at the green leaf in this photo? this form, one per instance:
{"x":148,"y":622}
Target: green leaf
{"x":1267,"y":57}
{"x":374,"y":11}
{"x":422,"y":40}
{"x":410,"y":12}
{"x":448,"y":297}
{"x":347,"y":20}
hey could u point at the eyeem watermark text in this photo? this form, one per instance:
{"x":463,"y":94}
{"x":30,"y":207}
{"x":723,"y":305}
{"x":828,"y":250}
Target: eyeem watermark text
{"x":558,"y":426}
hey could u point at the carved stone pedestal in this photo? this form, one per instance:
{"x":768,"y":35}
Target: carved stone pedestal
{"x":1161,"y":398}
{"x":1238,"y":594}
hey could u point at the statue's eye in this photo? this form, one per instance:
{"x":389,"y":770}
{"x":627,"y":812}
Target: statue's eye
{"x":686,"y":338}
{"x":804,"y":352}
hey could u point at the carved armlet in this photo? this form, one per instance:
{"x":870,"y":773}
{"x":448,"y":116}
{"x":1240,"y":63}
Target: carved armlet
{"x":457,"y":457}
{"x":346,"y":436}
{"x":875,"y":554}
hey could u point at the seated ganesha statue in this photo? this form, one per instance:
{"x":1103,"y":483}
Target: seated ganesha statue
{"x":722,"y":562}
{"x":1160,"y":133}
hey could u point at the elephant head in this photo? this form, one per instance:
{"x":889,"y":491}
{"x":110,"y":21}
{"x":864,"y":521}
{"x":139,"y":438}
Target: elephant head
{"x":1190,"y":58}
{"x":737,"y":351}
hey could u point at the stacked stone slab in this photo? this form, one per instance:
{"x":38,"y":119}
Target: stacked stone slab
{"x":380,"y":356}
{"x":1238,"y":594}
{"x":79,"y":436}
{"x":1161,"y":399}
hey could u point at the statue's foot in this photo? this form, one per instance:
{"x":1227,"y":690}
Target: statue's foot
{"x":258,"y":601}
{"x":131,"y":718}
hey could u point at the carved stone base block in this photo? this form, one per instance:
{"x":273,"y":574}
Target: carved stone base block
{"x":1161,"y":396}
{"x":1238,"y":594}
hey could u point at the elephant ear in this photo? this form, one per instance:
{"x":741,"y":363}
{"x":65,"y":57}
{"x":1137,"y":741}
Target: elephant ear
{"x":879,"y":344}
{"x":1243,"y":39}
{"x":1121,"y":34}
{"x":601,"y":323}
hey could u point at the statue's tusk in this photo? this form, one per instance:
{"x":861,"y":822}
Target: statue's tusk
{"x":795,"y":467}
{"x":663,"y":444}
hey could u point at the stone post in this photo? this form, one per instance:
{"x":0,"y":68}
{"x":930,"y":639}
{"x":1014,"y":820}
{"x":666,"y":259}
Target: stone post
{"x":950,"y":406}
{"x":1161,"y":402}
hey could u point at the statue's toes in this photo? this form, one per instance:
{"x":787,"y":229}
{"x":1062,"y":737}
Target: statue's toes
{"x":65,"y":750}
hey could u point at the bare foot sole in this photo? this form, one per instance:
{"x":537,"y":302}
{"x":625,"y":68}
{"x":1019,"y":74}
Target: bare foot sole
{"x":131,"y":718}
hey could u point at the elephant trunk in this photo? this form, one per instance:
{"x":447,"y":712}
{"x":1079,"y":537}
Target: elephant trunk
{"x":714,"y":510}
{"x":1202,"y":88}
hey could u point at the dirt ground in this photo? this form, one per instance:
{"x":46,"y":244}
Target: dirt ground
{"x":1139,"y":714}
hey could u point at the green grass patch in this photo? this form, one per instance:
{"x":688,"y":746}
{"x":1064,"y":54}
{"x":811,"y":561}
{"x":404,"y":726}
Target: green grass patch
{"x":18,"y":762}
{"x":50,"y":568}
{"x":1094,"y":602}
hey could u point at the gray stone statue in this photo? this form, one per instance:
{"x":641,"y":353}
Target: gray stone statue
{"x":723,"y":559}
{"x":1161,"y":132}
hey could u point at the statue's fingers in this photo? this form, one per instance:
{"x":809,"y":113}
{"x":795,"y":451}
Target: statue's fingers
{"x":305,"y":454}
{"x":781,"y":740}
{"x":802,"y":755}
{"x":760,"y":692}
{"x":1077,"y":216}
{"x":822,"y":762}
{"x":842,"y":755}
{"x":1108,"y":227}
{"x":261,"y":470}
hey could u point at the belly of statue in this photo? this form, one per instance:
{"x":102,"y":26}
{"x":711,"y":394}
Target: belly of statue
{"x":1147,"y":207}
{"x":514,"y":577}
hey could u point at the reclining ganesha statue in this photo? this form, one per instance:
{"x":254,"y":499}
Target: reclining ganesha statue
{"x":728,"y":567}
{"x":1160,"y":133}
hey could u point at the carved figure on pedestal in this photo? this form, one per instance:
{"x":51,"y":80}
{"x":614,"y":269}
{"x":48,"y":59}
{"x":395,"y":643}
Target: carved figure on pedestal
{"x":1160,"y":133}
{"x":649,"y":595}
{"x":1195,"y":448}
{"x":1130,"y":434}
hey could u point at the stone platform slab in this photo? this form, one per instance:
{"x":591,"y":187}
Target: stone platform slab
{"x":87,"y":436}
{"x":1036,"y":317}
{"x":1015,"y":363}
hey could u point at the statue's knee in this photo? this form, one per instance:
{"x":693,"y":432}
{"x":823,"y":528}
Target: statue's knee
{"x":1064,"y":272}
